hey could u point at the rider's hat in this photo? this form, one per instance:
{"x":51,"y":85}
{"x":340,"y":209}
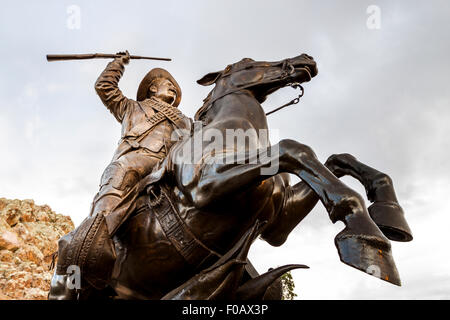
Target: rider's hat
{"x":155,"y":74}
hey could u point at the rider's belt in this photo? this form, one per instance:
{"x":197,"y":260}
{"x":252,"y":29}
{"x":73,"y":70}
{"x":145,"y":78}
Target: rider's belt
{"x":184,"y":241}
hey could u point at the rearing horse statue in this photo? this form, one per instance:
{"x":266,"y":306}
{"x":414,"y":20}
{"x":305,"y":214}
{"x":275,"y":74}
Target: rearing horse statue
{"x":199,"y":212}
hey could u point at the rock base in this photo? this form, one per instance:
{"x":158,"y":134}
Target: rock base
{"x":29,"y":235}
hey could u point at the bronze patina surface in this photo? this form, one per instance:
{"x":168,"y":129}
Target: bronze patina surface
{"x":166,"y":227}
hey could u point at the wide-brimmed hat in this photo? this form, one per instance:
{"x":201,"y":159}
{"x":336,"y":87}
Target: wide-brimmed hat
{"x":152,"y":75}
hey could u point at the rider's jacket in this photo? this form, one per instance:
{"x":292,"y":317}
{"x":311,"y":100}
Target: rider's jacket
{"x":141,"y":127}
{"x":146,"y":138}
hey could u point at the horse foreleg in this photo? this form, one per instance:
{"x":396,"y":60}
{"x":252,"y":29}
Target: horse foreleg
{"x":300,"y":200}
{"x":361,"y":244}
{"x":385,"y":210}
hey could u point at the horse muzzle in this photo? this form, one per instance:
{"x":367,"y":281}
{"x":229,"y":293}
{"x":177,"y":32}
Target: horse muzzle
{"x":301,"y":68}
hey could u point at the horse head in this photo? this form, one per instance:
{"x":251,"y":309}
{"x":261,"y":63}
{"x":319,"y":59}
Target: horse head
{"x":261,"y":78}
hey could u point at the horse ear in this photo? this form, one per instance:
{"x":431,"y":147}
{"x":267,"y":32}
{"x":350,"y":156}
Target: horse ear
{"x":210,"y":78}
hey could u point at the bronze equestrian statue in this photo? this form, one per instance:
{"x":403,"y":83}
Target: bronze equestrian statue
{"x":187,"y":234}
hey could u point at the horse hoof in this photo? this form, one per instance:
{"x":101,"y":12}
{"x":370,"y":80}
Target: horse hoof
{"x":369,"y":254}
{"x":390,"y":218}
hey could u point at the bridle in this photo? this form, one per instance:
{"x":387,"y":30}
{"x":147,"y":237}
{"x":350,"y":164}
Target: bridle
{"x":287,"y":70}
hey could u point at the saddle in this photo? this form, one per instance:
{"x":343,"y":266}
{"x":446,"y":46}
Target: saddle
{"x":192,"y":249}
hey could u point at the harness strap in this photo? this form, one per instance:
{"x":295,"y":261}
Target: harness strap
{"x":178,"y":233}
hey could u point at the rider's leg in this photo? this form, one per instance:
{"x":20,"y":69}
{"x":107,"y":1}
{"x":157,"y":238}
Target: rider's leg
{"x":116,"y":199}
{"x":89,"y":247}
{"x":119,"y":187}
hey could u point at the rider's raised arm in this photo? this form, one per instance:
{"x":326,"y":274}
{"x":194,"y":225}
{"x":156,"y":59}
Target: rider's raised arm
{"x":108,"y":90}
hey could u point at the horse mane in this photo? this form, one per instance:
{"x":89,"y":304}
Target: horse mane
{"x":201,"y":112}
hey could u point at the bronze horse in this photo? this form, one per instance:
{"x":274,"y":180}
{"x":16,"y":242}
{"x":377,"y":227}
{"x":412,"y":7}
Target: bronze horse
{"x":200,"y":212}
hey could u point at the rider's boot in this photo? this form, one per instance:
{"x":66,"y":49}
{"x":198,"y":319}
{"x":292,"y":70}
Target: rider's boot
{"x":86,"y":258}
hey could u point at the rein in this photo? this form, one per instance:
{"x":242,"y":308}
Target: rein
{"x":293,"y":101}
{"x":294,"y":85}
{"x":286,"y":73}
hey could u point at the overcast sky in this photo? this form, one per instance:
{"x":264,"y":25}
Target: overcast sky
{"x":381,"y":94}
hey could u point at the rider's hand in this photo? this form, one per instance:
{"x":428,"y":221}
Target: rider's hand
{"x":124,"y":57}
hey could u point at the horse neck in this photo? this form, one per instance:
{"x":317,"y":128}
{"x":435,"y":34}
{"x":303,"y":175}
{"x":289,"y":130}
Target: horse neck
{"x":238,"y":105}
